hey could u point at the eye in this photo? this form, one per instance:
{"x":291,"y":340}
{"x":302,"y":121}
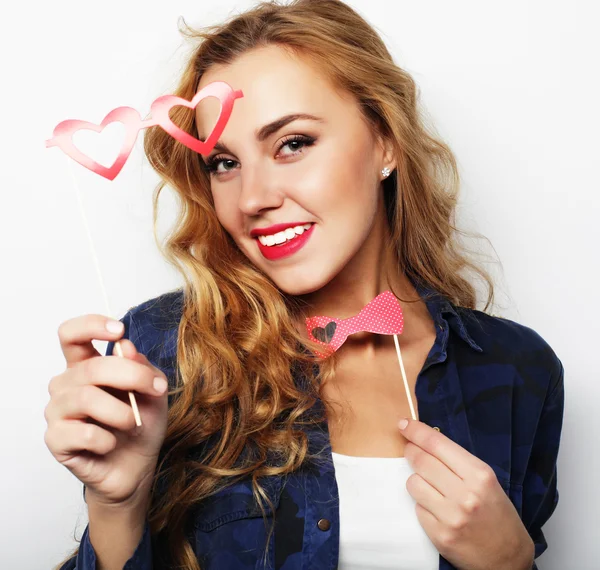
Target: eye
{"x":294,"y":142}
{"x":212,"y":165}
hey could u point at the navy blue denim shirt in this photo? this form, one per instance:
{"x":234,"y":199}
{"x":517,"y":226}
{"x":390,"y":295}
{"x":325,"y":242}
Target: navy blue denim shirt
{"x":493,"y":386}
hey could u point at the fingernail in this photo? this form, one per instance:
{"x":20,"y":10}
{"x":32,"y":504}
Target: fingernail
{"x":160,"y":384}
{"x":114,"y":326}
{"x":402,"y":423}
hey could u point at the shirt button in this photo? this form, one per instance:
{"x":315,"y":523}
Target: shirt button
{"x":324,"y":524}
{"x":436,"y":428}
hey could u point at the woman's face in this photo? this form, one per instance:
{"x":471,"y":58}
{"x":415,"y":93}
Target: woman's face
{"x":321,"y":171}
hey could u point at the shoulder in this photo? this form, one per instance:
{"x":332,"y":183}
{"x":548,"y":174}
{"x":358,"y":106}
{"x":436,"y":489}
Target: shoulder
{"x":509,"y":343}
{"x":153,"y":327}
{"x":161,"y":312}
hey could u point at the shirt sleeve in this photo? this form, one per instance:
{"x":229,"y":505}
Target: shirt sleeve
{"x":540,"y":492}
{"x":142,"y":556}
{"x":141,"y":559}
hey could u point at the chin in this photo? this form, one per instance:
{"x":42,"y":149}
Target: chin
{"x":298,"y":279}
{"x":300,"y":285}
{"x":296,"y":290}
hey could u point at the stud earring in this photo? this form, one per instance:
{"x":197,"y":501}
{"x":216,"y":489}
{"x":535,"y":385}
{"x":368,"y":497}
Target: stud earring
{"x":385,"y":172}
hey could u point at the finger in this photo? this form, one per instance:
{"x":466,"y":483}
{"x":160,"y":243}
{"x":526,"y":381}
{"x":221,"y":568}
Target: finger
{"x":117,"y":373}
{"x":143,"y":359}
{"x":69,"y":437}
{"x":76,"y":335}
{"x":428,"y":497}
{"x":437,"y":444}
{"x":432,"y":470}
{"x":128,"y":349}
{"x":431,"y":525}
{"x":91,"y":402}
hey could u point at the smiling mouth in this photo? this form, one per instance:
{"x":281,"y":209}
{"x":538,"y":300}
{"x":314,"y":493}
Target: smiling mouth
{"x":283,"y":237}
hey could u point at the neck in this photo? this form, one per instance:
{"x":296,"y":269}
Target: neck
{"x":373,"y":270}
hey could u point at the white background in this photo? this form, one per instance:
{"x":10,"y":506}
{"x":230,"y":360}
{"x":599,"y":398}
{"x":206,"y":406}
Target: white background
{"x":512,"y":86}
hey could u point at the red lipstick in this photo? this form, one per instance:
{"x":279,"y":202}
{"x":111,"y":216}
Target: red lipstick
{"x":289,"y":247}
{"x":275,"y":228}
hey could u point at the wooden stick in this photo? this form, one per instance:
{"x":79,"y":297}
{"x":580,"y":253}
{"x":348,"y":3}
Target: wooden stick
{"x":136,"y":412}
{"x":406,"y":388}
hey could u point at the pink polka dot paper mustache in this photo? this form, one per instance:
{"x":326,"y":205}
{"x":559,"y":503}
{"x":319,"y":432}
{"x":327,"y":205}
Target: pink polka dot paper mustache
{"x":159,"y":111}
{"x":383,"y":315}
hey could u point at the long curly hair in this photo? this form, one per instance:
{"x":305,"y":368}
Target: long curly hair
{"x":238,"y":347}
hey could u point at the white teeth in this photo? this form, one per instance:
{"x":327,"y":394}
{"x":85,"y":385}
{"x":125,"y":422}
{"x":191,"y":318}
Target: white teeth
{"x":285,"y":235}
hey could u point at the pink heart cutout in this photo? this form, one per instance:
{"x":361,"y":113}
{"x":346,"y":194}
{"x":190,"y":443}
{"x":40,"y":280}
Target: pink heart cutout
{"x":63,"y":137}
{"x":161,"y":107}
{"x":63,"y":132}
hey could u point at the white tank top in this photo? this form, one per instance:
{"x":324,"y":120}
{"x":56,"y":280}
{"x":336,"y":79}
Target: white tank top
{"x":379,"y":528}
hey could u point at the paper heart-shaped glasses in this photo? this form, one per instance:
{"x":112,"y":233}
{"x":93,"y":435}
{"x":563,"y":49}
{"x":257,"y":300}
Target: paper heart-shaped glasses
{"x":131,"y":119}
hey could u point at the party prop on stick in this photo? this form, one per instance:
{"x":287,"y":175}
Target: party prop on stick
{"x":383,"y":315}
{"x":159,"y":111}
{"x":136,"y":412}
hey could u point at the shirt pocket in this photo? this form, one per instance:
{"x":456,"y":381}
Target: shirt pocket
{"x":230,"y":531}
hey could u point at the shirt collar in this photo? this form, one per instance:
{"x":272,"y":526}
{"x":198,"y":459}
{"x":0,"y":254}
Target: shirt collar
{"x":439,"y":305}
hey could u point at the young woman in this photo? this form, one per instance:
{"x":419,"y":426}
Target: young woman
{"x":264,"y":454}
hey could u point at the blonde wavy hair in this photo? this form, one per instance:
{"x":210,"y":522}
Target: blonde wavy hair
{"x":238,"y":342}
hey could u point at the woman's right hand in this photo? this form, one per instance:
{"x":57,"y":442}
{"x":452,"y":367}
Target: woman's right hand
{"x":91,"y":426}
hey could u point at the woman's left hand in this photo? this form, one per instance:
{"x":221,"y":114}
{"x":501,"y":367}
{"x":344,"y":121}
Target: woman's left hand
{"x":462,"y":506}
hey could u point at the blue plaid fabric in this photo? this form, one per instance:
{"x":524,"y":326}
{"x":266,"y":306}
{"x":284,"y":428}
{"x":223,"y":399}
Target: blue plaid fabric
{"x":493,"y":386}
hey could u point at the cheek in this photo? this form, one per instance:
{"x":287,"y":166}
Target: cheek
{"x":330,"y":187}
{"x":226,"y":214}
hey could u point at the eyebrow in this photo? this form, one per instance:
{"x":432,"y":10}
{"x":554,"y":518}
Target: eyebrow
{"x":271,"y":128}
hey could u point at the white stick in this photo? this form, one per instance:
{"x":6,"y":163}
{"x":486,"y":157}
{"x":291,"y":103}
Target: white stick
{"x":408,"y":396}
{"x":136,"y":412}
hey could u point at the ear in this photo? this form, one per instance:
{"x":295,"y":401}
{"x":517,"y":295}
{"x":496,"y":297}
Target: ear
{"x":388,"y":156}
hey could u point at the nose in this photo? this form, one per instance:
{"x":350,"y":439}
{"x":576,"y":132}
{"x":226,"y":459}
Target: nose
{"x":259,"y":189}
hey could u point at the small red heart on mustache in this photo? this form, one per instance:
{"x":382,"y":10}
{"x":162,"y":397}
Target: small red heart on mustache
{"x":325,"y":334}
